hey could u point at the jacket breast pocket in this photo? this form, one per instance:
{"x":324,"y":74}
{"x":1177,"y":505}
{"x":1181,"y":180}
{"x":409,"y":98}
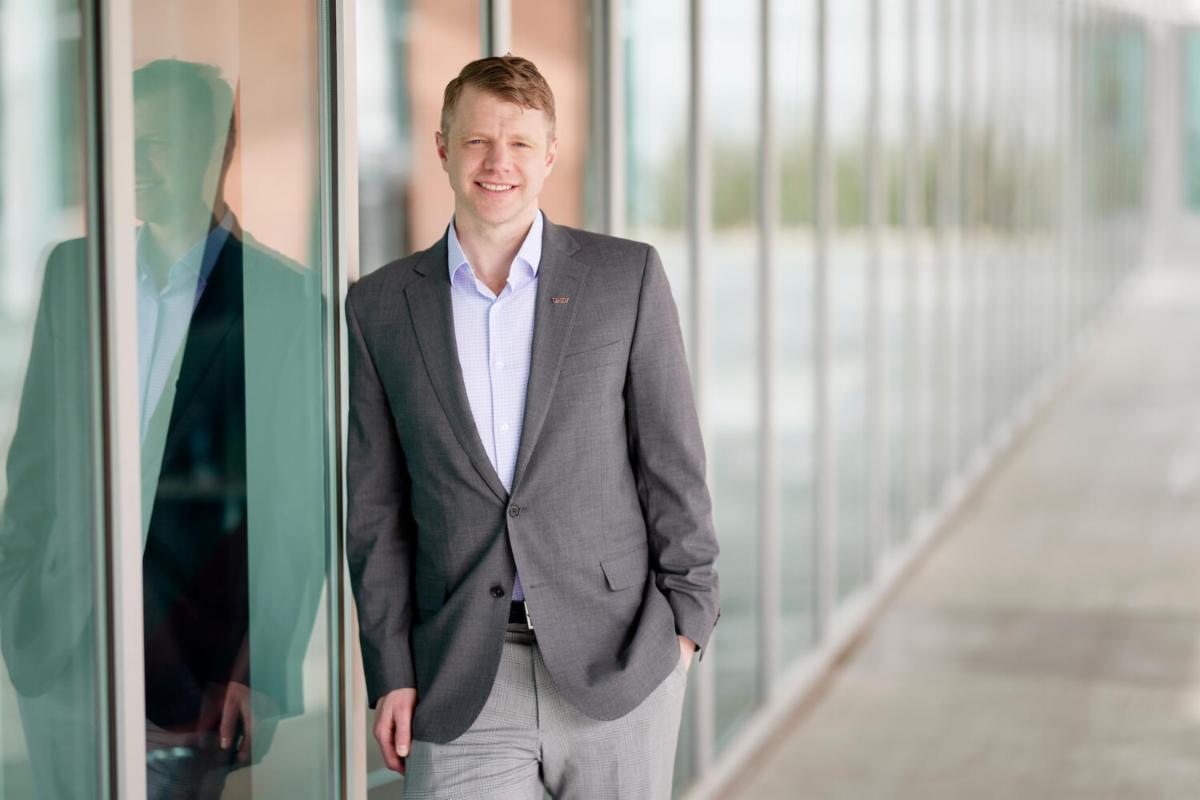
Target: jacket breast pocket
{"x":431,"y":594}
{"x":593,"y":358}
{"x":626,"y":569}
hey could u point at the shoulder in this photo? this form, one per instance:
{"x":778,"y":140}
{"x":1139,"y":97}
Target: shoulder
{"x":390,"y":279}
{"x":602,"y":248}
{"x":66,"y":273}
{"x":611,"y":256}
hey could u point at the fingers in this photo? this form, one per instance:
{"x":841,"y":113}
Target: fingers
{"x":393,"y":728}
{"x":243,"y":754}
{"x":403,"y":730}
{"x":384,"y":734}
{"x":229,"y":717}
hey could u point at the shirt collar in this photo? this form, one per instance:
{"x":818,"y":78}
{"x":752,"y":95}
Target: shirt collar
{"x":530,"y":251}
{"x":198,"y":262}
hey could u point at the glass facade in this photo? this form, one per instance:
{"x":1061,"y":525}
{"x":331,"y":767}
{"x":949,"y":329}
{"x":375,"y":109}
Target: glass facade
{"x":53,"y":717}
{"x":949,"y":194}
{"x":730,"y":380}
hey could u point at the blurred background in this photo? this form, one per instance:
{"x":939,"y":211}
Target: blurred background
{"x":933,"y":265}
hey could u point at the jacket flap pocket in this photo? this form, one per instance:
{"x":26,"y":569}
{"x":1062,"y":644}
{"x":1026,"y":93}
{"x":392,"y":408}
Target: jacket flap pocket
{"x":627,"y":569}
{"x":584,"y":360}
{"x":431,"y":592}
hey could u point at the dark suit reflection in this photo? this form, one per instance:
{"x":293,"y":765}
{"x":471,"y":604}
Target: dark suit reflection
{"x":232,"y":505}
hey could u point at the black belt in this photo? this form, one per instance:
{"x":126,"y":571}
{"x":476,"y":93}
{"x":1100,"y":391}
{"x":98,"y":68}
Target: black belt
{"x":516,"y":613}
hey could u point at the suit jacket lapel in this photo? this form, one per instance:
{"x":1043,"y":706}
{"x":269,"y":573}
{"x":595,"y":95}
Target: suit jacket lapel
{"x":559,"y":276}
{"x":433,"y":321}
{"x":219,"y":310}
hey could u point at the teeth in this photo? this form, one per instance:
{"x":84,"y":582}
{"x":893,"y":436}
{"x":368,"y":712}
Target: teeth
{"x":496,"y":187}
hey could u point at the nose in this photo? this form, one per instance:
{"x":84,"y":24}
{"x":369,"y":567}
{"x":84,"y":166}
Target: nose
{"x":497,"y":158}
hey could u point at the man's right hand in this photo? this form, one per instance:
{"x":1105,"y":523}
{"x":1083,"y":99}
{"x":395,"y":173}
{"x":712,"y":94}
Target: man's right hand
{"x":393,"y":726}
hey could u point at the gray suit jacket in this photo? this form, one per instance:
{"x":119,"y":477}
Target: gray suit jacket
{"x":609,"y":519}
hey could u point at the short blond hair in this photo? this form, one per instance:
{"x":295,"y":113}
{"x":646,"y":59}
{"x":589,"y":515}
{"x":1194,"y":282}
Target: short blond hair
{"x":508,"y":77}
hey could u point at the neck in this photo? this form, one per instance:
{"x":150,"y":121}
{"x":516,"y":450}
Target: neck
{"x":492,"y":248}
{"x":168,"y":240}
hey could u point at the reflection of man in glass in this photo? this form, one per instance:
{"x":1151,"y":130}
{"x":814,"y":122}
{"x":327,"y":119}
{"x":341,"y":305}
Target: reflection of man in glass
{"x":227,"y":383}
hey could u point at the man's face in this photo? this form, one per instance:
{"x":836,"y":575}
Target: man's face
{"x":170,"y":161}
{"x":497,"y":155}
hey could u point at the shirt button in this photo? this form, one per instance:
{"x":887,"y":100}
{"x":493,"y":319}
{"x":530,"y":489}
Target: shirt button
{"x":514,"y":510}
{"x":497,"y":591}
{"x":504,"y":427}
{"x":499,"y":363}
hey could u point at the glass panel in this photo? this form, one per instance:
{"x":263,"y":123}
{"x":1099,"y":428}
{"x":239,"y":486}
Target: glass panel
{"x":408,"y":50}
{"x":731,"y":384}
{"x":849,"y":82}
{"x":232,"y":379}
{"x":656,"y":135}
{"x":52,"y":719}
{"x":655,"y":77}
{"x":557,"y":37}
{"x":793,"y":82}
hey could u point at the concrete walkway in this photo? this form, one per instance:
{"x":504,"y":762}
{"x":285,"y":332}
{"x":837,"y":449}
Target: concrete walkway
{"x":1049,"y":647}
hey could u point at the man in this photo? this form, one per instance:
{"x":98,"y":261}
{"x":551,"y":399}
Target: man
{"x":230,"y":386}
{"x":530,"y":537}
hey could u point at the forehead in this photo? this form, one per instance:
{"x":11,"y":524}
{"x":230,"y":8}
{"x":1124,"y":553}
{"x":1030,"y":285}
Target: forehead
{"x":478,"y":108}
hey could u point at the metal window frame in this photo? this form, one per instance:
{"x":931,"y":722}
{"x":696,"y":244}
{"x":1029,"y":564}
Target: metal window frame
{"x":878,"y":459}
{"x":113,"y":198}
{"x":338,"y":192}
{"x":768,"y":542}
{"x":497,"y":26}
{"x":699,"y":225}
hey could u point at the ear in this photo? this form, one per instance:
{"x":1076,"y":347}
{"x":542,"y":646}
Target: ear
{"x":551,"y":154}
{"x":442,"y":142}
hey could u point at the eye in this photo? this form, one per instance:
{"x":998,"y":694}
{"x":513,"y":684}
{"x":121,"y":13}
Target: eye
{"x":523,"y":144}
{"x":475,"y":141}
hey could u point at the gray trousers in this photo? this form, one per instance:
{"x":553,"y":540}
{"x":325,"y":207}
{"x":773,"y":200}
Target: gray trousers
{"x":529,"y":739}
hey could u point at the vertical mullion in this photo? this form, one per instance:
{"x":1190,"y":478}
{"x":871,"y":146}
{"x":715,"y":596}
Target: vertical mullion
{"x":699,"y":225}
{"x":768,"y":493}
{"x":611,"y":18}
{"x":339,"y":254}
{"x":916,"y":447}
{"x":876,"y":448}
{"x":113,"y":211}
{"x":942,"y":410}
{"x":825,"y":552}
{"x":497,"y":27}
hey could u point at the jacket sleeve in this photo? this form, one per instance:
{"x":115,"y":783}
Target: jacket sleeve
{"x":667,"y":454}
{"x":380,"y":531}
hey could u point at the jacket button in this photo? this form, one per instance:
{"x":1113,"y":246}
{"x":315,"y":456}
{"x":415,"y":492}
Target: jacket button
{"x":497,"y":591}
{"x":514,"y":510}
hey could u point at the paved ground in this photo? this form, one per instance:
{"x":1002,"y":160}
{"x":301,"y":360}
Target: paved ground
{"x":1050,"y":646}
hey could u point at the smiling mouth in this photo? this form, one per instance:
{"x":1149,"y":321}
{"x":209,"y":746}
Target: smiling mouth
{"x":496,"y":188}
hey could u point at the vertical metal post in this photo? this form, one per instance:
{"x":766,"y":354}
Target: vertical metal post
{"x":825,"y":556}
{"x":877,"y":466}
{"x":942,"y":411}
{"x":915,"y":446}
{"x":112,"y":202}
{"x":768,"y":469}
{"x":339,"y":253}
{"x":699,"y":228}
{"x":611,"y":15}
{"x":497,"y":26}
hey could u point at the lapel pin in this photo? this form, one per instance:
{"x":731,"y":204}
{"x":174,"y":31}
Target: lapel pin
{"x":558,"y":301}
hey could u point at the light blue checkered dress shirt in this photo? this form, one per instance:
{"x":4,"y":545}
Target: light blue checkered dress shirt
{"x":495,"y":334}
